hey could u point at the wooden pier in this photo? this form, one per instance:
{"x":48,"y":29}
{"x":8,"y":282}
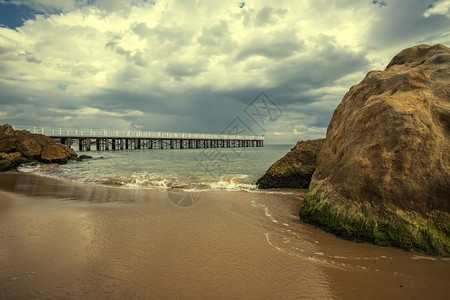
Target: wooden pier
{"x":102,"y":140}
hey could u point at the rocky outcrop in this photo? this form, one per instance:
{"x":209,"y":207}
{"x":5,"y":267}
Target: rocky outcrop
{"x":10,"y":161}
{"x":295,"y":169}
{"x":383,"y":172}
{"x":19,"y":146}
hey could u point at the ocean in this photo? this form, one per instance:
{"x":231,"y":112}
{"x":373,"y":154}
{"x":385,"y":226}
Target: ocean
{"x":230,"y":169}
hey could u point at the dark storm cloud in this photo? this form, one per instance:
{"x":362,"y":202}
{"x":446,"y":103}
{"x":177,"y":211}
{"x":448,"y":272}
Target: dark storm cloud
{"x":180,"y":69}
{"x":11,"y":97}
{"x":403,"y":22}
{"x":278,"y":45}
{"x":318,"y":71}
{"x":198,"y":110}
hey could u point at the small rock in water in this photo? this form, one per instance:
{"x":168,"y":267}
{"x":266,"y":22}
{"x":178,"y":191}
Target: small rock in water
{"x":83,"y":156}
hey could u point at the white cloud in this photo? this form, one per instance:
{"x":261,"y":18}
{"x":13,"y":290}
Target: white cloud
{"x":92,"y":111}
{"x":180,"y":61}
{"x":441,"y":8}
{"x":92,"y":49}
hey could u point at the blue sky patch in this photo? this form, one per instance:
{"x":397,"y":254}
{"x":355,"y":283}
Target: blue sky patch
{"x":13,"y":16}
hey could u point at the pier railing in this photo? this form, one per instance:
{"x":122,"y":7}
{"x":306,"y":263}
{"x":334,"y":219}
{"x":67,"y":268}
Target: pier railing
{"x":108,"y":133}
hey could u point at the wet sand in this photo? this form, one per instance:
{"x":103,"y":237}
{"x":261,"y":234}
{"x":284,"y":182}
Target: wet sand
{"x":64,"y":240}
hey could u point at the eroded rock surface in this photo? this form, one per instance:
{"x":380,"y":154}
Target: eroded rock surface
{"x":383,"y":172}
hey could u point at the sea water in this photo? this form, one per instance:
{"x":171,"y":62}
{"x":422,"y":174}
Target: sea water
{"x":203,"y":169}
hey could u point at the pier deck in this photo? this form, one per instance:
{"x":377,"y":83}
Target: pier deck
{"x":100,"y":139}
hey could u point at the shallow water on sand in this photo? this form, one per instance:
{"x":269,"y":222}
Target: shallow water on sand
{"x":60,"y":239}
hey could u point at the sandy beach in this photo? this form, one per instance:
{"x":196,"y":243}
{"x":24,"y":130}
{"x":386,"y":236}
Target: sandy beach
{"x":66,"y":240}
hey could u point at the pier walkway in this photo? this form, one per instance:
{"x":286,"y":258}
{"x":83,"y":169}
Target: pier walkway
{"x":102,"y":139}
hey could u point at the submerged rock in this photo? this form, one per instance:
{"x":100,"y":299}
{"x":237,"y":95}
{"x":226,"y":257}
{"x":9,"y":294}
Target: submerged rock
{"x":20,"y":146}
{"x":83,"y":156}
{"x":383,"y":172}
{"x":295,"y":169}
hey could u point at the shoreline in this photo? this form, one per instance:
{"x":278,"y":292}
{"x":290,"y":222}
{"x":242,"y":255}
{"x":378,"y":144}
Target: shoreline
{"x":165,"y":169}
{"x":65,"y":239}
{"x":11,"y":178}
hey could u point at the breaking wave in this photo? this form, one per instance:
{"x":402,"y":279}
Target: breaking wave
{"x":236,"y":182}
{"x":183,"y":169}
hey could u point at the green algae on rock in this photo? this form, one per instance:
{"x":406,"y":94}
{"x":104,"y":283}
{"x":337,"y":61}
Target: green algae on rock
{"x":295,"y":169}
{"x":384,"y":227}
{"x":10,"y":161}
{"x":383,"y":172}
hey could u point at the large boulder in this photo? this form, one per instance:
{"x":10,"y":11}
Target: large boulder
{"x":18,"y":146}
{"x":295,"y":169}
{"x":383,"y":172}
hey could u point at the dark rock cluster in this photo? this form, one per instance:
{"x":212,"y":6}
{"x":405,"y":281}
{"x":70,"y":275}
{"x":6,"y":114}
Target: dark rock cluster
{"x":21,"y":146}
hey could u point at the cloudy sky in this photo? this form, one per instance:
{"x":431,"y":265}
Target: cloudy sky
{"x":197,"y":65}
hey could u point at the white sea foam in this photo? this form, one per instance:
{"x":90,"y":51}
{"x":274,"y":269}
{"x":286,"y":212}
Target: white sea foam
{"x":416,"y":257}
{"x":277,"y":192}
{"x":34,"y":167}
{"x":232,"y":183}
{"x":168,"y":169}
{"x":145,"y":180}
